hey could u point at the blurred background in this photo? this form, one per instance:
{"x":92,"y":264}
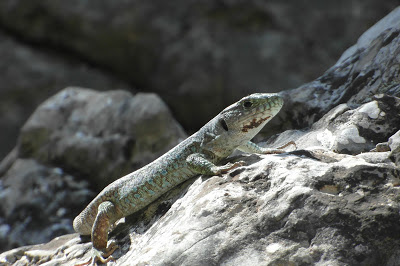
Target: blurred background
{"x":199,"y":56}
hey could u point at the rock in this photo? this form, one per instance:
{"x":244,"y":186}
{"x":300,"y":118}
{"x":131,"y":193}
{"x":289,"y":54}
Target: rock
{"x":326,"y":209}
{"x":110,"y":134}
{"x":330,"y":202}
{"x":364,"y":70}
{"x":351,"y":131}
{"x":77,"y":141}
{"x":198,"y":55}
{"x":394,"y":145}
{"x":29,"y":75}
{"x":38,"y":202}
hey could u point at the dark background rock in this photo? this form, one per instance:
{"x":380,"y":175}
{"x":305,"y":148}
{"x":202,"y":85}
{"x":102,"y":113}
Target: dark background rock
{"x":29,"y":75}
{"x":37,"y":203}
{"x":367,"y":68}
{"x":199,"y":56}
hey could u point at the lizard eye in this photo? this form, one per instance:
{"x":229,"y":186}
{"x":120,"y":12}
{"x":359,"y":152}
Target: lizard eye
{"x":247,"y":104}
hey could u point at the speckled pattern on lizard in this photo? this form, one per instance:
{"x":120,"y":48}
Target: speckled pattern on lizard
{"x":231,"y":129}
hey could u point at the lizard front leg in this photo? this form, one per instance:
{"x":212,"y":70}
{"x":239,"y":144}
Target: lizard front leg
{"x":107,"y":214}
{"x":251,"y":147}
{"x":199,"y":164}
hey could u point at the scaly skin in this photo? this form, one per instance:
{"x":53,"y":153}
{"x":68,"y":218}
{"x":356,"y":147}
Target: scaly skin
{"x":231,"y":129}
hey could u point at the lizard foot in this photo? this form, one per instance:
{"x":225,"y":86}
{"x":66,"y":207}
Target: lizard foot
{"x":279,"y":150}
{"x":226,"y":168}
{"x":100,"y":256}
{"x":288,"y":144}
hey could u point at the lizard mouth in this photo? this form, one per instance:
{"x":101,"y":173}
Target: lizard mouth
{"x":254,"y":123}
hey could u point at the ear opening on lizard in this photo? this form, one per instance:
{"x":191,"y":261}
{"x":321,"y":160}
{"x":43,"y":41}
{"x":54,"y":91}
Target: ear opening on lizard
{"x":223,"y":124}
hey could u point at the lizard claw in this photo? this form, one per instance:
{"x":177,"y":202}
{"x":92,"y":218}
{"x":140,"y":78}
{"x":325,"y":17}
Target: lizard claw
{"x":100,"y":256}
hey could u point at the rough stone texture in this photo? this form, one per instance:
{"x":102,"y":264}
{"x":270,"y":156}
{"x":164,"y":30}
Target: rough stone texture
{"x":37,"y":203}
{"x":311,"y":206}
{"x":369,"y":67}
{"x":331,"y":202}
{"x":351,"y":131}
{"x":198,"y":55}
{"x":76,"y":136}
{"x":31,"y":75}
{"x":108,"y":133}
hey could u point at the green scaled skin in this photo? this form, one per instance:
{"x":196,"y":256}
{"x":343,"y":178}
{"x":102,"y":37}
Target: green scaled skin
{"x":200,"y":153}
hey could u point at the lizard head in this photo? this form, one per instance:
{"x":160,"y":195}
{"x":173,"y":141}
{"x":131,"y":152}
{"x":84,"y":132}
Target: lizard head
{"x":239,"y":123}
{"x":249,"y":115}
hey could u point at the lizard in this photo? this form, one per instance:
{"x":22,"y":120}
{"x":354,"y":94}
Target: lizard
{"x":233,"y":128}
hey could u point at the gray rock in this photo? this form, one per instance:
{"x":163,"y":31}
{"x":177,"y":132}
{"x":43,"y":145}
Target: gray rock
{"x":351,"y":131}
{"x":77,"y":141}
{"x":310,"y":207}
{"x":394,"y":144}
{"x":38,"y":203}
{"x":31,"y":75}
{"x":199,"y":55}
{"x":109,"y":133}
{"x":366,"y":69}
{"x":330,"y":202}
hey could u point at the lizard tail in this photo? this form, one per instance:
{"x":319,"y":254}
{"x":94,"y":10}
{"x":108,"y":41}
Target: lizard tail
{"x":84,"y":221}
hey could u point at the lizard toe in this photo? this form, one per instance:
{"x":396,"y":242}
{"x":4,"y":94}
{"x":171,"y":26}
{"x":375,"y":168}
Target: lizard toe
{"x":100,"y":256}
